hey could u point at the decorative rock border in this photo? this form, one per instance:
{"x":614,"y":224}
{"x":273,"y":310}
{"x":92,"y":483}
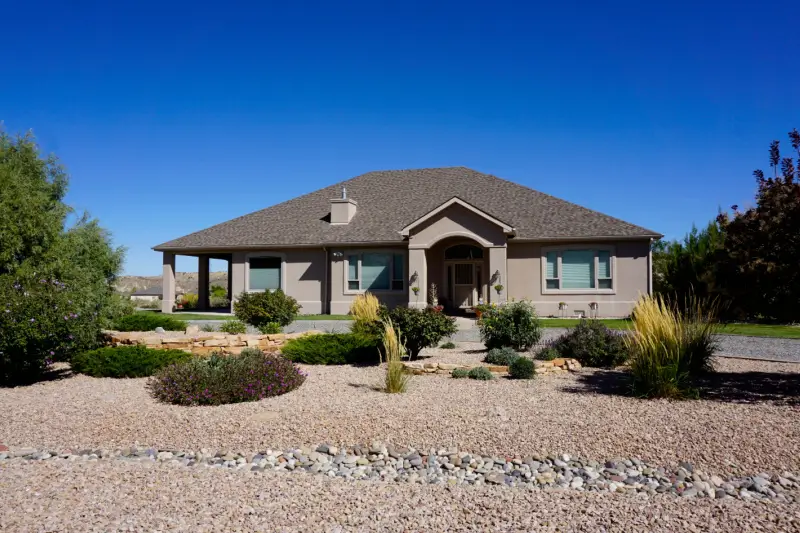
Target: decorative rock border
{"x":201,"y":343}
{"x":555,"y":366}
{"x":452,"y":467}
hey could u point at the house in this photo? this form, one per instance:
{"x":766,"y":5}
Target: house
{"x":477,"y":237}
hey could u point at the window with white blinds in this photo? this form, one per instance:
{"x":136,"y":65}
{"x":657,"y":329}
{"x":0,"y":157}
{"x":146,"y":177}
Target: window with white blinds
{"x":577,"y":269}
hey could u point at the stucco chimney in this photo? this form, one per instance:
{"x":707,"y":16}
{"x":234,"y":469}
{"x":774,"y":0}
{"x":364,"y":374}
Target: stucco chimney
{"x":343,"y":209}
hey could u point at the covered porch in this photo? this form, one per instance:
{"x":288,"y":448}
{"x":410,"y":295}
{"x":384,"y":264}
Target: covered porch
{"x":168,"y":283}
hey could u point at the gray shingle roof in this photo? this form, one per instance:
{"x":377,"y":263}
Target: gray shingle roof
{"x":389,"y":200}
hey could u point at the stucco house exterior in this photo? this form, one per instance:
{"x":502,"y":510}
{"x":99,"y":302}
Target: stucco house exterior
{"x":394,"y":233}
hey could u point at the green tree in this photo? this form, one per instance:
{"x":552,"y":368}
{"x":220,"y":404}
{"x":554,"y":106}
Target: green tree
{"x":758,"y":265}
{"x":218,"y":291}
{"x":56,"y":277}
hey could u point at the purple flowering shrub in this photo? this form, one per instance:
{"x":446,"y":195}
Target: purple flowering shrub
{"x":41,"y":321}
{"x":216,"y":380}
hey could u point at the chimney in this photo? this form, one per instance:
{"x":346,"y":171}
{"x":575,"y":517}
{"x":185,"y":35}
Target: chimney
{"x":343,"y":209}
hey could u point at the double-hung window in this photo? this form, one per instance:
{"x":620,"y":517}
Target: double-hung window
{"x":578,"y":269}
{"x":265,"y":273}
{"x":375,"y":272}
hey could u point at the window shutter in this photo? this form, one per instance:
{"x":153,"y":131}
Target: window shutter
{"x":577,"y":269}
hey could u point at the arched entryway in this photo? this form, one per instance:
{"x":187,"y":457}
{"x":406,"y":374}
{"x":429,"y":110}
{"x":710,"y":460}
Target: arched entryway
{"x":459,"y":268}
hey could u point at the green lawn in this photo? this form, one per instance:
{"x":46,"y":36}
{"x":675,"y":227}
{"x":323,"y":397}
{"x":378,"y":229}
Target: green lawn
{"x":753,"y":330}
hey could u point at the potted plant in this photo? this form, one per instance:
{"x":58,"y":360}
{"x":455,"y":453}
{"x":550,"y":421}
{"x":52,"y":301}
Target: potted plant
{"x":562,"y":308}
{"x":433,"y":295}
{"x":499,"y":288}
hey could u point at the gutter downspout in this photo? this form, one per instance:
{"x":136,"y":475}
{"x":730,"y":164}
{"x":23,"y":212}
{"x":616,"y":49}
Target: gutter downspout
{"x":325,"y":299}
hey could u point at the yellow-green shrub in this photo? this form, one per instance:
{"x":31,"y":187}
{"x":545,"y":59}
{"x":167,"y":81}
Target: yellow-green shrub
{"x":396,"y":379}
{"x":669,"y":349}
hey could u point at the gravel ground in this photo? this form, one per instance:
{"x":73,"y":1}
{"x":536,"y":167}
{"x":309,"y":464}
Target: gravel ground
{"x":748,"y":426}
{"x":113,"y":496}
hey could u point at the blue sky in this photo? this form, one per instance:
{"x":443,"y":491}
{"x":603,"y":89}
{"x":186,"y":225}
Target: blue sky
{"x":174,"y":116}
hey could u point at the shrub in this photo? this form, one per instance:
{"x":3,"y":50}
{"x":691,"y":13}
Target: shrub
{"x":459,"y":373}
{"x":149,"y":322}
{"x":250,"y":376}
{"x":125,"y":361}
{"x":270,"y":328}
{"x":218,"y":291}
{"x":332,"y":349}
{"x":670,"y":348}
{"x":41,"y":321}
{"x":522,"y":368}
{"x":396,"y":379}
{"x":147,"y":304}
{"x":513,"y":324}
{"x":593,"y":345}
{"x":189,"y":301}
{"x":501,"y":356}
{"x":233,"y":327}
{"x":260,"y":308}
{"x":217,"y":302}
{"x":449,"y":345}
{"x":548,"y":353}
{"x":365,"y":308}
{"x":480,"y":373}
{"x":208,"y":328}
{"x":421,"y":328}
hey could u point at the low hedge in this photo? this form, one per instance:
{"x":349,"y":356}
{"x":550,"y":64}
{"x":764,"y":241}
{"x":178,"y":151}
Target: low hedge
{"x":501,"y":356}
{"x":216,"y":380}
{"x":149,"y":322}
{"x":522,"y":368}
{"x":125,"y":361}
{"x":333,"y":349}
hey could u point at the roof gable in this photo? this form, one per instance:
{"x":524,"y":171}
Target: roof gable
{"x":389,"y":201}
{"x":455,"y":200}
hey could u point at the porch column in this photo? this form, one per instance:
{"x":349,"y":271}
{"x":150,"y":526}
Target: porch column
{"x":202,"y":282}
{"x":230,"y":281}
{"x":417,"y":263}
{"x":168,"y":283}
{"x":497,"y":274}
{"x":238,"y":274}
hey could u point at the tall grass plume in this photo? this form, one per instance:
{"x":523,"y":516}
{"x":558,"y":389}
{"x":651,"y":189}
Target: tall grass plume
{"x":396,"y":379}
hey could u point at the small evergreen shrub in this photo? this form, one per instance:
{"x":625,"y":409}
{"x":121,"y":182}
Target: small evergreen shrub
{"x":522,"y":368}
{"x":233,"y":327}
{"x":125,"y":361}
{"x":448,"y":345}
{"x":501,"y":356}
{"x":270,"y":328}
{"x":216,"y":380}
{"x":333,"y":349}
{"x":513,"y":324}
{"x":208,"y":328}
{"x":260,"y":308}
{"x":548,"y":353}
{"x":459,"y":373}
{"x":149,"y":322}
{"x":421,"y":328}
{"x":219,"y":302}
{"x":593,"y":345}
{"x":480,"y":373}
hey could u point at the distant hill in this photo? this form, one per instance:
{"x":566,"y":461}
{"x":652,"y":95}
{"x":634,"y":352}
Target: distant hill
{"x":186,"y":281}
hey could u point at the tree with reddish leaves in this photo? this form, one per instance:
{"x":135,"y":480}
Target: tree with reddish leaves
{"x":758,"y":266}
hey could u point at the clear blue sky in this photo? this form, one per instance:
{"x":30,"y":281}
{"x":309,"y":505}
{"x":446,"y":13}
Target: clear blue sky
{"x":173,"y":116}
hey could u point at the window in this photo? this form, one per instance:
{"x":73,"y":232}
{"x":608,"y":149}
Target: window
{"x":577,"y":269}
{"x":375,"y":272}
{"x":265,"y":273}
{"x":463,"y":251}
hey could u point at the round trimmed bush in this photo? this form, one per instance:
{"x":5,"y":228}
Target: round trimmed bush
{"x":260,"y":308}
{"x":449,"y":345}
{"x":125,"y":361}
{"x":149,"y":322}
{"x":216,"y":380}
{"x":480,"y":373}
{"x":233,"y":327}
{"x":501,"y":356}
{"x":513,"y":324}
{"x":548,"y":353}
{"x":522,"y":368}
{"x":459,"y":373}
{"x":333,"y":349}
{"x":593,"y":345}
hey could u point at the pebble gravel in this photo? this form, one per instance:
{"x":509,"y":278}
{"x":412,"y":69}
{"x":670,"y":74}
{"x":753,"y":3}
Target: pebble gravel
{"x":99,"y":496}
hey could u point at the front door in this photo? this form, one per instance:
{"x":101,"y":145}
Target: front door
{"x":464,"y":284}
